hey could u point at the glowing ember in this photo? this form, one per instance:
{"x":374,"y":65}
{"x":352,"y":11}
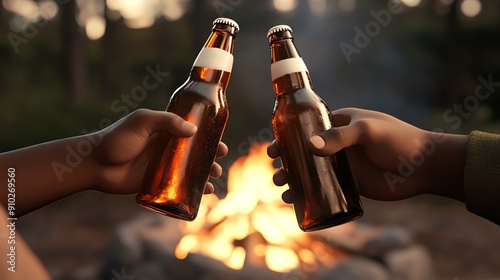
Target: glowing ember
{"x":251,"y":225}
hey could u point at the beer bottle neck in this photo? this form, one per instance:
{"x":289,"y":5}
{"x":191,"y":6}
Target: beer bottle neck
{"x":288,"y":70}
{"x":215,"y":60}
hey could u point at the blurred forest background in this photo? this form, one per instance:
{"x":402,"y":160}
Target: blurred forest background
{"x":67,"y":65}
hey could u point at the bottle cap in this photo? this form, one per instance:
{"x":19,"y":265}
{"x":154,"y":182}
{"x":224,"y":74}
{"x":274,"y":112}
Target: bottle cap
{"x":227,"y":21}
{"x":279,"y":28}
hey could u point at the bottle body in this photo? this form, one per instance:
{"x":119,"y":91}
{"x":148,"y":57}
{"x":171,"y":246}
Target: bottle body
{"x":179,"y":168}
{"x":324,"y":192}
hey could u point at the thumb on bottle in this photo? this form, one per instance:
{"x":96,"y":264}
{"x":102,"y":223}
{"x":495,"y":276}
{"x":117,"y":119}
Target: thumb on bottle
{"x":333,"y":140}
{"x":156,"y":121}
{"x":178,"y":126}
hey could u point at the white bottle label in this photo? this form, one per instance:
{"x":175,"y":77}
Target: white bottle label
{"x":214,"y":58}
{"x":287,"y":66}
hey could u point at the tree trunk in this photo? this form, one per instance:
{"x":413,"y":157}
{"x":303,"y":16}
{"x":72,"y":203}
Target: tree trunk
{"x":167,"y":48}
{"x":449,"y":52}
{"x":201,"y":25}
{"x":74,"y":68}
{"x":109,"y":55}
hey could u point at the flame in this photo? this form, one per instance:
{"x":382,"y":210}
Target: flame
{"x":251,"y":225}
{"x":281,"y":259}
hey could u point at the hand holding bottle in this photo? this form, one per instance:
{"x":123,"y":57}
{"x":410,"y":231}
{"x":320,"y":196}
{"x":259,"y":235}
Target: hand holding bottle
{"x":381,"y":146}
{"x":123,"y":153}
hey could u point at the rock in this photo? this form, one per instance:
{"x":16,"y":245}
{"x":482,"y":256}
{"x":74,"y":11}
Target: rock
{"x":86,"y":273}
{"x":151,"y":271}
{"x":411,"y":263}
{"x":356,"y":269}
{"x":127,"y":246}
{"x":144,"y":249}
{"x":350,"y":236}
{"x":388,"y":239}
{"x":365,"y":239}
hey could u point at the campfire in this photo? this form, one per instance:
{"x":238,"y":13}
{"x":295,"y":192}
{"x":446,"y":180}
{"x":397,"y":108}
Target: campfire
{"x":252,"y":225}
{"x":251,"y":234}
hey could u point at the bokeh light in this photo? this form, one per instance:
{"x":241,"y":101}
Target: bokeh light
{"x":28,"y":12}
{"x":285,"y":6}
{"x":318,"y":7}
{"x":347,"y":5}
{"x":48,"y":9}
{"x":143,"y":13}
{"x":95,"y":27}
{"x":470,"y":8}
{"x":173,"y":9}
{"x":411,"y":3}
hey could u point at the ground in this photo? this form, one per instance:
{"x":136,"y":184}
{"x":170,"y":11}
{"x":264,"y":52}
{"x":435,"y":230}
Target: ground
{"x":71,"y":236}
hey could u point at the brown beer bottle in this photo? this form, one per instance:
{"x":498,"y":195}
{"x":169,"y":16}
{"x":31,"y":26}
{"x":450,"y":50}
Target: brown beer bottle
{"x":323,"y":188}
{"x":179,"y":168}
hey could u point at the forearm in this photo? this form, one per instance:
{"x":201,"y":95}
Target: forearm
{"x":47,"y":172}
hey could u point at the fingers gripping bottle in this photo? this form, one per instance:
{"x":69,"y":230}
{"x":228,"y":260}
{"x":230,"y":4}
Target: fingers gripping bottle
{"x":179,"y":168}
{"x":323,"y":187}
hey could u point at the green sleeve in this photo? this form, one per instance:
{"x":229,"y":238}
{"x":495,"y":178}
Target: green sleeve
{"x":482,"y":175}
